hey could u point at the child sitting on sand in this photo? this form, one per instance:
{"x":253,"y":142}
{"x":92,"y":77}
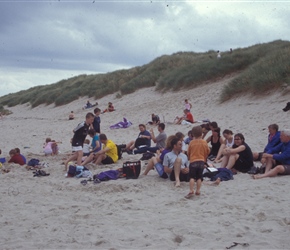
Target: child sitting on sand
{"x":86,"y":147}
{"x":198,"y":151}
{"x":50,"y":147}
{"x":15,"y":158}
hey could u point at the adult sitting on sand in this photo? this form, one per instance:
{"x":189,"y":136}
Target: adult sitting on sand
{"x":228,"y":143}
{"x":239,"y":157}
{"x":143,"y":141}
{"x":107,"y":155}
{"x":158,"y":159}
{"x":216,"y":141}
{"x":187,"y":117}
{"x":273,"y":141}
{"x":278,"y":157}
{"x":160,"y":139}
{"x":15,"y":158}
{"x":155,"y":120}
{"x":176,"y":163}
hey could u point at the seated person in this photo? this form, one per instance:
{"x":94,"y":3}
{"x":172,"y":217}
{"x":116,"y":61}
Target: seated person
{"x":189,"y":138}
{"x":155,"y":120}
{"x":188,"y":117}
{"x":239,"y":157}
{"x":228,"y":143}
{"x":176,"y":163}
{"x":278,"y":157}
{"x":86,"y":147}
{"x":88,"y":105}
{"x":143,"y":140}
{"x":273,"y":141}
{"x":205,"y":129}
{"x":95,"y":145}
{"x":216,"y":141}
{"x":18,"y":152}
{"x":15,"y":158}
{"x":71,"y":116}
{"x":110,"y":108}
{"x":158,"y":159}
{"x":108,"y":154}
{"x":50,"y":147}
{"x":160,"y":139}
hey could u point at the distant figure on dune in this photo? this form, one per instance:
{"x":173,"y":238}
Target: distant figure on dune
{"x":187,"y":104}
{"x":219,"y":54}
{"x":187,"y":117}
{"x":71,"y":116}
{"x":287,"y":107}
{"x":155,"y":120}
{"x":89,"y":105}
{"x":110,"y":108}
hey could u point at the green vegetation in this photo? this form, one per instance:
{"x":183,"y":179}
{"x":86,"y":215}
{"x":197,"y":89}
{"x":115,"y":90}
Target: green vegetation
{"x":258,"y":69}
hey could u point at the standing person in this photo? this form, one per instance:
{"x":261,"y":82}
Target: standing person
{"x":176,"y":163}
{"x":80,"y":133}
{"x":96,"y":125}
{"x":187,"y":104}
{"x":197,"y":152}
{"x":239,"y":157}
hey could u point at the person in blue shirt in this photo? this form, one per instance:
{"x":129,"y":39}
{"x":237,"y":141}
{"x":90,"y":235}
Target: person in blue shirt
{"x":278,"y":157}
{"x":273,"y":140}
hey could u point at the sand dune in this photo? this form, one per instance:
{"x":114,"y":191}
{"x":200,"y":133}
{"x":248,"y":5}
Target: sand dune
{"x":55,"y":212}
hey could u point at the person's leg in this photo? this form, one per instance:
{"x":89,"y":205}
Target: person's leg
{"x":73,"y":157}
{"x":130,"y":145}
{"x":198,"y":186}
{"x":88,"y":159}
{"x":219,"y":155}
{"x":232,"y":160}
{"x":177,"y":166}
{"x":225,"y":160}
{"x":79,"y":157}
{"x":99,"y":158}
{"x":269,"y":164}
{"x":271,"y":173}
{"x":150,"y":165}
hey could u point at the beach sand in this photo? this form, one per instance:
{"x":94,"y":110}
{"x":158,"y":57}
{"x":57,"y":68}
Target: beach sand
{"x":55,"y":212}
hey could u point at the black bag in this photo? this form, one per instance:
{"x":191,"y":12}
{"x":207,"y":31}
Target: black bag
{"x":147,"y":156}
{"x":131,"y":169}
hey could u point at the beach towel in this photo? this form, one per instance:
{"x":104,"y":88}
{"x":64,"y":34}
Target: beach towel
{"x":124,"y":124}
{"x":224,"y":174}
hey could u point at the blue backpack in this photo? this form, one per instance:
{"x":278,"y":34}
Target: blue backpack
{"x":33,"y":162}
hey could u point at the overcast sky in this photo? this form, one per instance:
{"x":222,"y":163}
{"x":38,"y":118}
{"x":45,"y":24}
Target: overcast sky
{"x":43,"y":42}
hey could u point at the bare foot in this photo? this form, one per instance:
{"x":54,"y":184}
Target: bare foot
{"x":217,"y":182}
{"x":177,"y":184}
{"x":189,"y":195}
{"x":255,"y":177}
{"x":197,"y":193}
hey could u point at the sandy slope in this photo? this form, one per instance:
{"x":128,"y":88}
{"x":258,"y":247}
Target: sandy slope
{"x":57,"y":212}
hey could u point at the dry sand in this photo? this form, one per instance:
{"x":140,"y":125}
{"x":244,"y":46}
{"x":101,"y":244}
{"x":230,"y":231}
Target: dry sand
{"x":55,"y":212}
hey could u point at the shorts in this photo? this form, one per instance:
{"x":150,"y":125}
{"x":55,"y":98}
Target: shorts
{"x":77,"y":148}
{"x":287,"y":170}
{"x":196,"y":170}
{"x":108,"y":160}
{"x":182,"y":176}
{"x":241,"y":166}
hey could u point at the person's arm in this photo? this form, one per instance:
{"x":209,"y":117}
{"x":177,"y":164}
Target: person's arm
{"x":152,"y":135}
{"x":235,"y":150}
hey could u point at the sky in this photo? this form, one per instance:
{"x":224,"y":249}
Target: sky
{"x":43,"y":42}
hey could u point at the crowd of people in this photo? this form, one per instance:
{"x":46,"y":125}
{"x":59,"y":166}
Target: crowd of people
{"x":175,"y":157}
